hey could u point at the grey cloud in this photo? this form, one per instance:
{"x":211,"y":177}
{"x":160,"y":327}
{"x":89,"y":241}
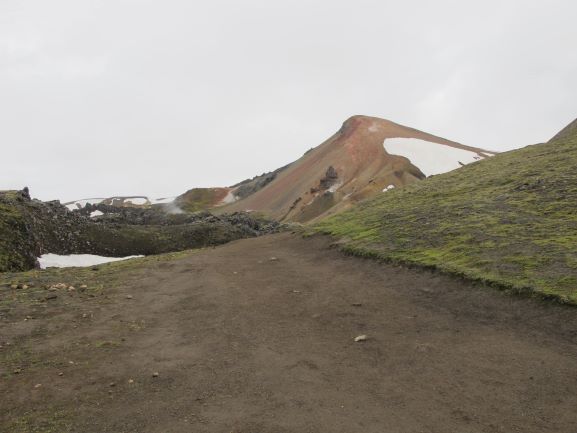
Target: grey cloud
{"x":145,"y":97}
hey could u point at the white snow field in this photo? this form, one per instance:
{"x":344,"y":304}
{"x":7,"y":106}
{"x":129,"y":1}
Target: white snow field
{"x":137,"y":200}
{"x":431,"y":158}
{"x":76,"y":260}
{"x":96,"y":213}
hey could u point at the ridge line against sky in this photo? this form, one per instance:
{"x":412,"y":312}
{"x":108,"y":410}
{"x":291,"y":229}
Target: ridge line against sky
{"x":101,"y":98}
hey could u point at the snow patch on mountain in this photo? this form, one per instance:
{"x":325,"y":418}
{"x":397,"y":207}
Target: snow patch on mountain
{"x":388,"y":188}
{"x":119,"y":201}
{"x":137,"y":200}
{"x":79,"y":204}
{"x":431,"y":158}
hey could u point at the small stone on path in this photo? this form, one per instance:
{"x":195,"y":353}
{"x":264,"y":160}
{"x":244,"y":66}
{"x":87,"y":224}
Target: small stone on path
{"x":360,"y":338}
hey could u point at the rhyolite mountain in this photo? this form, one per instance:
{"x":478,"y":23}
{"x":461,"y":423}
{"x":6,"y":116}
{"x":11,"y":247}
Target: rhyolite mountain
{"x":365,"y":157}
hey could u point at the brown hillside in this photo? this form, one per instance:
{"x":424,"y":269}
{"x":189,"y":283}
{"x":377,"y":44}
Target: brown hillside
{"x":350,"y":166}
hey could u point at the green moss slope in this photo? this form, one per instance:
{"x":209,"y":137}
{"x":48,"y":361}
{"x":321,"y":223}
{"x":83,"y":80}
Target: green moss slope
{"x":198,"y":199}
{"x":16,"y":246}
{"x":510,"y":221}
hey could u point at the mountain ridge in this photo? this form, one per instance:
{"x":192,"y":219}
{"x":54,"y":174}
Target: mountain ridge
{"x":363,"y":167}
{"x":363,"y":158}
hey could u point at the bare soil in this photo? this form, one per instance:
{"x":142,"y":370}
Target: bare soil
{"x":258,"y":336}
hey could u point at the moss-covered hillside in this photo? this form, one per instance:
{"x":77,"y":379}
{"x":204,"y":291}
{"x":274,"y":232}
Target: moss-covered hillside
{"x":17,"y":248}
{"x":510,"y":220}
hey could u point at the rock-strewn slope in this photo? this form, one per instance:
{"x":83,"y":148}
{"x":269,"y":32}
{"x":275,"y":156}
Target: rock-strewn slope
{"x":29,"y":228}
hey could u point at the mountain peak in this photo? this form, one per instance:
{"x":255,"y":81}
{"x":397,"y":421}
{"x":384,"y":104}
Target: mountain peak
{"x":366,"y":156}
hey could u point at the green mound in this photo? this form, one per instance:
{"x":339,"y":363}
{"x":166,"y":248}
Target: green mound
{"x":199,"y":199}
{"x":510,"y":221}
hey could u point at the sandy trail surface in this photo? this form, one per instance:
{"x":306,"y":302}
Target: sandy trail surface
{"x":258,"y":336}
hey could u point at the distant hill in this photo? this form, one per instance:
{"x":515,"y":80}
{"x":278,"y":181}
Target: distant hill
{"x":510,"y":220}
{"x":127,"y":201}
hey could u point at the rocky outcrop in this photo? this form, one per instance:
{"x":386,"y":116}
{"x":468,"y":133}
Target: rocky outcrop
{"x":328,"y":180}
{"x":29,"y":228}
{"x":250,"y":186}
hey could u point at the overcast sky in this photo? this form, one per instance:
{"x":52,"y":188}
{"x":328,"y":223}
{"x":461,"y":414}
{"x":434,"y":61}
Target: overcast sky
{"x":120,"y":97}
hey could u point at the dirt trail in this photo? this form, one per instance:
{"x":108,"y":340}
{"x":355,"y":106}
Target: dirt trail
{"x":246,"y":344}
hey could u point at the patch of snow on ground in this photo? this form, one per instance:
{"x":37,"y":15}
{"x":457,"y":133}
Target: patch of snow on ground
{"x":75,"y":260}
{"x":96,"y":213}
{"x":79,"y":204}
{"x":388,"y":188}
{"x":137,"y":200}
{"x":431,"y":158}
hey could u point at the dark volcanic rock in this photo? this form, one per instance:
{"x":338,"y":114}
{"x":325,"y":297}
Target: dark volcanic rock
{"x":250,"y":186}
{"x":29,"y":228}
{"x":331,"y":177}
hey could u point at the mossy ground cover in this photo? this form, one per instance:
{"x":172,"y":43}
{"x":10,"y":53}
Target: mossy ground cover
{"x":48,"y":421}
{"x":510,"y":221}
{"x":13,"y":230}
